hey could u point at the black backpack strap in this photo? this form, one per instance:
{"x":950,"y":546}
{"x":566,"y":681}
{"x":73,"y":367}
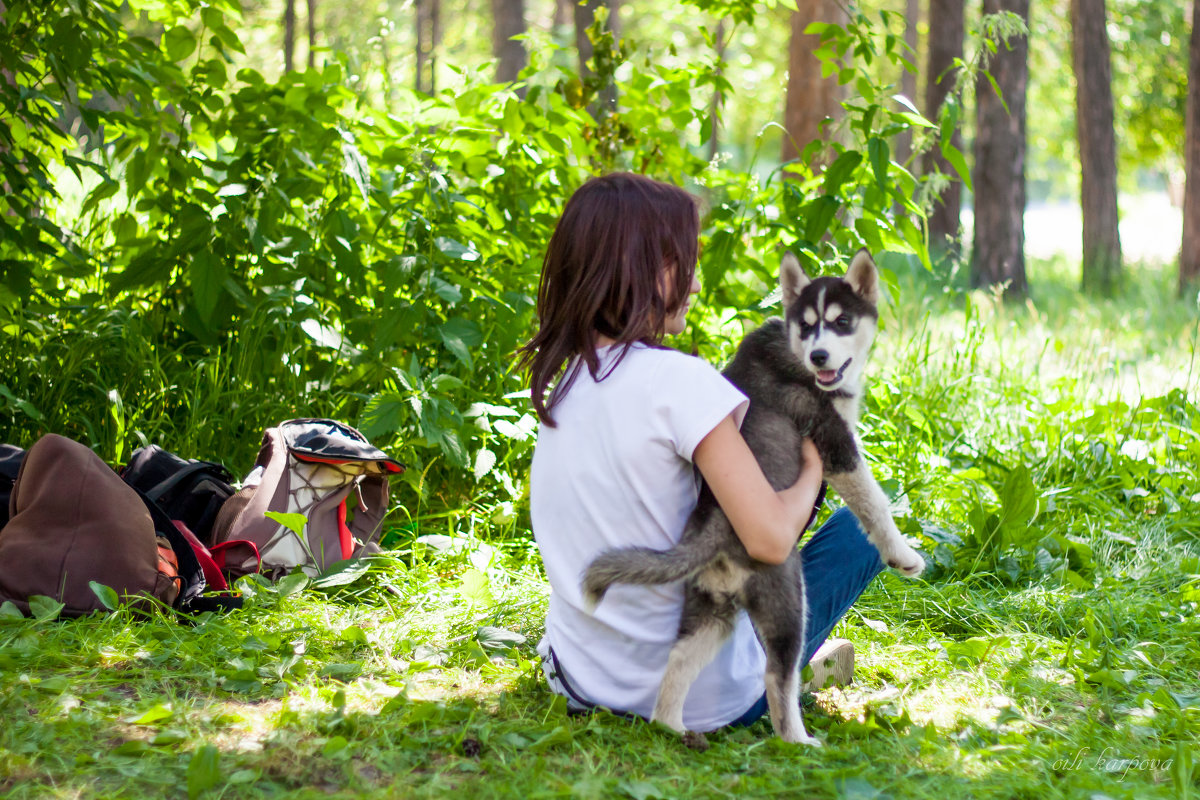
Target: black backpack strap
{"x":213,"y":602}
{"x":162,"y":487}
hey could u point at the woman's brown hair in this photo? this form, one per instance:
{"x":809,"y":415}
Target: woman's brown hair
{"x":604,"y":275}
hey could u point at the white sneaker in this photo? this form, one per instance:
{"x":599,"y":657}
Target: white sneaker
{"x":832,"y":665}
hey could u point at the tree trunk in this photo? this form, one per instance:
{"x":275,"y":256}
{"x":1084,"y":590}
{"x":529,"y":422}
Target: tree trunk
{"x":946,"y":28}
{"x":811,"y":99}
{"x":718,"y":97}
{"x":562,"y":13}
{"x":312,"y":33}
{"x":908,"y":80}
{"x":508,"y":21}
{"x":429,"y":35}
{"x":1189,"y":254}
{"x":289,"y":35}
{"x":1097,"y":147}
{"x":998,"y":254}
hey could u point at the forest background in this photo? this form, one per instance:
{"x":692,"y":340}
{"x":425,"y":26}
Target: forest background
{"x":218,"y":216}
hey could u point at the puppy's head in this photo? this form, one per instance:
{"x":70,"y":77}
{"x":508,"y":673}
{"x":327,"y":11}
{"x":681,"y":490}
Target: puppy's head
{"x":831,"y":322}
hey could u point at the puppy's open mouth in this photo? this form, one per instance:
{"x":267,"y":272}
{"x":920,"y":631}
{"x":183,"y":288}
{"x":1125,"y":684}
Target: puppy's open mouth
{"x":828,"y":377}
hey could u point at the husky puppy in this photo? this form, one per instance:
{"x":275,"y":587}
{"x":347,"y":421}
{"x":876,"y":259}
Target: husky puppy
{"x":804,"y":377}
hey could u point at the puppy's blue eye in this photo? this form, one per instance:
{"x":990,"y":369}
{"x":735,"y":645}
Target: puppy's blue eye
{"x":842,"y":322}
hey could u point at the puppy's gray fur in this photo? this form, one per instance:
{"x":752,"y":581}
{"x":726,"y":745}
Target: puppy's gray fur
{"x":804,"y":377}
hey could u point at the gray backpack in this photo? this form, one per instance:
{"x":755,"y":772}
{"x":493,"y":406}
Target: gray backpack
{"x":323,"y":470}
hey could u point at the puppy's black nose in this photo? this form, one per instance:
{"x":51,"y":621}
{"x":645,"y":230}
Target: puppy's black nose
{"x":819,"y":357}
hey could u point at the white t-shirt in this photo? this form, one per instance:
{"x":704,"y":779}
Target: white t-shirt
{"x":616,"y":472}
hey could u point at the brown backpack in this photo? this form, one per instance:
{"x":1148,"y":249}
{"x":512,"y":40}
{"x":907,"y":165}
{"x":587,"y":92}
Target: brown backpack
{"x":73,"y":521}
{"x":330,"y":478}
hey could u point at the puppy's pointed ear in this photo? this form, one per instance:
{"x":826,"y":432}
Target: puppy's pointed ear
{"x":863,"y":277}
{"x":792,"y":279}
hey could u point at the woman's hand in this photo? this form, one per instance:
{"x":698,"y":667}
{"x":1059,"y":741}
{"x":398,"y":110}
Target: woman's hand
{"x":767,"y":522}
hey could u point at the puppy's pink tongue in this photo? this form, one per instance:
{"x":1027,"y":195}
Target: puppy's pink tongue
{"x":827,"y":375}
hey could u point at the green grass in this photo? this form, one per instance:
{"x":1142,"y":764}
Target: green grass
{"x":1045,"y":456}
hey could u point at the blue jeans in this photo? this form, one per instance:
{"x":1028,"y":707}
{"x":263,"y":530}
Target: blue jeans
{"x":838,"y":563}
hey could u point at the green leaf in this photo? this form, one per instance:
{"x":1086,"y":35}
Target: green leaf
{"x":840,"y":171}
{"x":107,"y":596}
{"x":134,"y":747}
{"x":292,"y":584}
{"x":354,"y":635}
{"x":879,"y":153}
{"x":293,"y":522}
{"x":1182,"y":766}
{"x":24,"y":406}
{"x":498,"y":639}
{"x":208,"y":276}
{"x":204,"y":771}
{"x":385,"y":414}
{"x":857,"y":789}
{"x":154,"y":715}
{"x":354,"y":166}
{"x":974,"y":650}
{"x":44,"y":609}
{"x":485,"y":460}
{"x":343,"y":573}
{"x":460,"y":335}
{"x":560,"y":735}
{"x":475,"y":588}
{"x":955,"y":159}
{"x":9,"y":611}
{"x":642,"y":790}
{"x":818,"y":215}
{"x":179,"y":43}
{"x":1018,"y":498}
{"x":948,"y":120}
{"x":335,"y":746}
{"x":456,"y":249}
{"x":168,"y":737}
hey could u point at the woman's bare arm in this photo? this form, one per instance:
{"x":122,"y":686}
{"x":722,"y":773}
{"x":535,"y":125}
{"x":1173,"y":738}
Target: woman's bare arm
{"x":767,"y":522}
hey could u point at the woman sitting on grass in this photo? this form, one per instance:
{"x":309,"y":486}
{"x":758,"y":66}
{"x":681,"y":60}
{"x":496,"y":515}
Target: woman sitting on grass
{"x":624,"y":429}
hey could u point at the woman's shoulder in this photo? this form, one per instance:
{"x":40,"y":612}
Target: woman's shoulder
{"x":661,"y":355}
{"x":670,"y":362}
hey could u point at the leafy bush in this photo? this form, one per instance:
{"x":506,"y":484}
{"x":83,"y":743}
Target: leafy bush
{"x":193,"y":252}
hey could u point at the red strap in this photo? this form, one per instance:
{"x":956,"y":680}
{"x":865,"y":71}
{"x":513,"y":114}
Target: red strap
{"x":343,"y":531}
{"x":220,"y":551}
{"x":212,"y":573}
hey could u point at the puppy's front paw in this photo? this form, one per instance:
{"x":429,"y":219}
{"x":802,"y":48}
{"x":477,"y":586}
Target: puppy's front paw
{"x":902,"y":558}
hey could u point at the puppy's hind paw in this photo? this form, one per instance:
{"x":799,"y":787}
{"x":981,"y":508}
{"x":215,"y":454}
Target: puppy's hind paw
{"x":905,"y":560}
{"x":804,"y":738}
{"x":694,"y":740}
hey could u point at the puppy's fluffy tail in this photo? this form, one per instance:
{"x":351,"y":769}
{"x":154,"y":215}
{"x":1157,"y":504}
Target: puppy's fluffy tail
{"x":640,"y":566}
